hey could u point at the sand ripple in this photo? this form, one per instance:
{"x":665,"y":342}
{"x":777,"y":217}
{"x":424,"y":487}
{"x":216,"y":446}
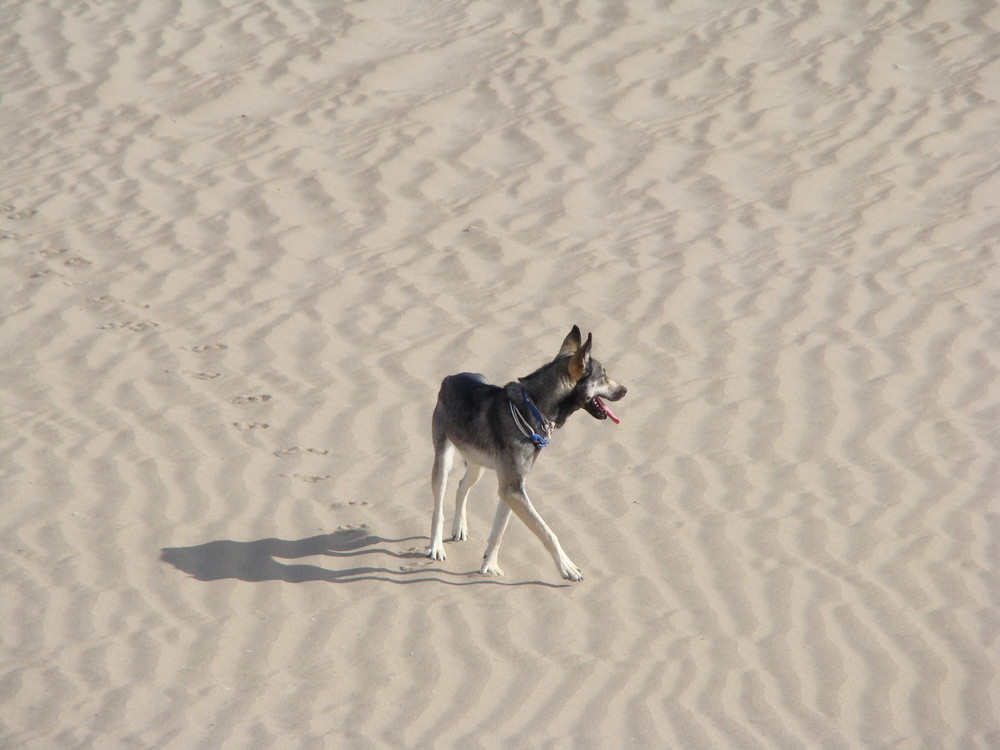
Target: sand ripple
{"x":242,"y":243}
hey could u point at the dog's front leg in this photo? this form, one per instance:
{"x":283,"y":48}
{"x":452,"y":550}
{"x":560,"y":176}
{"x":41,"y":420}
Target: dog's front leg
{"x":490,"y":566}
{"x":516,"y":497}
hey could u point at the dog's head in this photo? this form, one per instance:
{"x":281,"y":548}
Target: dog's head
{"x":591,"y":384}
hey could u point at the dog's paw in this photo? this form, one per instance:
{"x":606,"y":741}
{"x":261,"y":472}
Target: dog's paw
{"x":491,"y":569}
{"x":570,"y":572}
{"x":436,"y":552}
{"x":459,"y":534}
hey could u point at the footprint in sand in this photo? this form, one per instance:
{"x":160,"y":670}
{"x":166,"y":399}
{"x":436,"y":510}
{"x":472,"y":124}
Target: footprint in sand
{"x":305,"y":477}
{"x":420,"y":560}
{"x":351,"y":528}
{"x":132,"y":325}
{"x":201,"y":375}
{"x":417,"y":564}
{"x":44,"y":253}
{"x":296,"y":449}
{"x":74,"y":261}
{"x":13,"y":213}
{"x":202,"y":348}
{"x":255,"y":399}
{"x":352,"y":504}
{"x":107,"y":298}
{"x":251,"y":425}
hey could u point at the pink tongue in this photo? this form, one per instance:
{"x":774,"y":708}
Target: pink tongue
{"x":606,"y":410}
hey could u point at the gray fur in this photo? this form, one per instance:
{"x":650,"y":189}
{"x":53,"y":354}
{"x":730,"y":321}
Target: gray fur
{"x":490,"y":426}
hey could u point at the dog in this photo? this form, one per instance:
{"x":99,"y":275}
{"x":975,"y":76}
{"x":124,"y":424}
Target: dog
{"x":504,"y":429}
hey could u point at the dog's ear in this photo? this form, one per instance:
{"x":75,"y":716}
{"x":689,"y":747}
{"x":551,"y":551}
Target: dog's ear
{"x":579,"y":363}
{"x":571,"y":343}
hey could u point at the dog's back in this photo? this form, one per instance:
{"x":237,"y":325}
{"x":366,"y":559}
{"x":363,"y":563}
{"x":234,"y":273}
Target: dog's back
{"x":463,"y":394}
{"x":465,"y":414}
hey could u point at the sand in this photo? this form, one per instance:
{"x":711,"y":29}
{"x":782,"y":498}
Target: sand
{"x":242,"y":242}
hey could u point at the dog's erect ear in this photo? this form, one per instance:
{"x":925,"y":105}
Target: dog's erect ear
{"x":571,"y":343}
{"x":579,"y":363}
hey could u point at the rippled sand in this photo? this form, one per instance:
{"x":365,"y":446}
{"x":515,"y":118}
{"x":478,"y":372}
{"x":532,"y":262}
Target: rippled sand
{"x":241,"y":243}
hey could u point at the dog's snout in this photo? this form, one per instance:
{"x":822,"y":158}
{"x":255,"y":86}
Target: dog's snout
{"x":618,"y":393}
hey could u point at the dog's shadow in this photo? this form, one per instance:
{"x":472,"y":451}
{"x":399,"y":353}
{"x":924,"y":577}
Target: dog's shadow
{"x":260,"y":561}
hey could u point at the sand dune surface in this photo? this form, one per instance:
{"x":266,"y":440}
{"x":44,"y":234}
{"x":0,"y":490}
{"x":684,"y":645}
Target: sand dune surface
{"x":242,"y":242}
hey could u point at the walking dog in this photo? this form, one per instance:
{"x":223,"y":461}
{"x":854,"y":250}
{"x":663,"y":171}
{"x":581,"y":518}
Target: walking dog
{"x":504,"y":429}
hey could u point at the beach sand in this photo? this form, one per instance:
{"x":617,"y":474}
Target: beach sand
{"x":242,"y":242}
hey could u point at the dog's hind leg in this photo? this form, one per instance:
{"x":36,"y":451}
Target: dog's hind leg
{"x":459,"y":527}
{"x":490,"y":566}
{"x":515,"y":496}
{"x":444,"y":451}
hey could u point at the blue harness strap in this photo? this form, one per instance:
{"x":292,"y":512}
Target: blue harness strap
{"x":531,"y":407}
{"x":540,"y":441}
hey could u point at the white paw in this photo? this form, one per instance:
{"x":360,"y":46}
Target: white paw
{"x":491,"y":569}
{"x":460,"y":533}
{"x":436,"y":552}
{"x":570,"y":572}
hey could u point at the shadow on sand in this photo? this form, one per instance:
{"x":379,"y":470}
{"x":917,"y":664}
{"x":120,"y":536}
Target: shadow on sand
{"x":262,"y":560}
